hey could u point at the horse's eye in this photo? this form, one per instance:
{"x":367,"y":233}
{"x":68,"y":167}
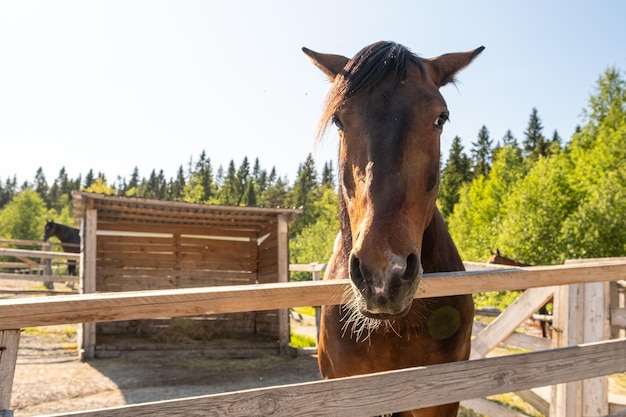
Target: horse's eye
{"x":441,"y":120}
{"x":337,"y":122}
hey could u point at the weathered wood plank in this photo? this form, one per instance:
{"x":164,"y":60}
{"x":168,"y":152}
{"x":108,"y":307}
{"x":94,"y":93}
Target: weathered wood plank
{"x":123,"y":228}
{"x":39,"y":278}
{"x":21,"y":313}
{"x":9,"y":344}
{"x":518,"y":340}
{"x":618,"y":317}
{"x":39,"y":254}
{"x":386,"y":392}
{"x":506,"y":323}
{"x":596,"y":328}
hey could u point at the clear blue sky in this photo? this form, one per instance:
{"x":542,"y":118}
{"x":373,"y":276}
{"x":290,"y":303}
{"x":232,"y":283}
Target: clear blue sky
{"x":111,"y":85}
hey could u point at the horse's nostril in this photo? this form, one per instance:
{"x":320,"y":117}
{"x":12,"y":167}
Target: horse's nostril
{"x":355,"y":269}
{"x":412,"y":267}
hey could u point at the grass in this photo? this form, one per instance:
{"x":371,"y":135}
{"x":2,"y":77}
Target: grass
{"x":305,"y":311}
{"x":64,"y":333}
{"x":301,"y":341}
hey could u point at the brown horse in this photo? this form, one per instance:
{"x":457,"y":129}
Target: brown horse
{"x":497,"y":258}
{"x":386,"y":105}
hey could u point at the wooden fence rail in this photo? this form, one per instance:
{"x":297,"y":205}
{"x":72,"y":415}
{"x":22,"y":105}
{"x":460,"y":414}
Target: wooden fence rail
{"x":30,"y":266}
{"x":39,"y":254}
{"x":384,"y":392}
{"x":100,"y":307}
{"x":370,"y":394}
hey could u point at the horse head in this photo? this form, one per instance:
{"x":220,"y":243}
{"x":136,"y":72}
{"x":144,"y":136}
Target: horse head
{"x":49,"y":230}
{"x":386,"y":105}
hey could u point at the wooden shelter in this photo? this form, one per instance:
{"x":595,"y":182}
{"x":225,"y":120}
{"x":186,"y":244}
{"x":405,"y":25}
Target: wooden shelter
{"x":132,"y":244}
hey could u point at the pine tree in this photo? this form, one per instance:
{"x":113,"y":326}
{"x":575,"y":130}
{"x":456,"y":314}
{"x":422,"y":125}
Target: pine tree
{"x":134,"y":179}
{"x":481,"y":153}
{"x":241,"y":184}
{"x":228,"y":193}
{"x":249,"y":198}
{"x":89,"y":179}
{"x":328,"y":174}
{"x":41,"y":185}
{"x":509,"y":139}
{"x":177,"y":187}
{"x":203,"y":176}
{"x":276,"y":193}
{"x":456,"y":173}
{"x":535,"y":144}
{"x":303,"y":189}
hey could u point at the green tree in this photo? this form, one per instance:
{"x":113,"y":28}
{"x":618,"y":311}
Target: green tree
{"x":229,"y":192}
{"x":177,"y":186}
{"x":509,"y":139}
{"x":41,"y":185}
{"x":100,"y":186}
{"x":89,"y":179}
{"x":23,"y":217}
{"x":276,"y":194}
{"x":8,"y":190}
{"x":303,"y":194}
{"x":456,"y":173}
{"x":328,"y":174}
{"x":598,"y":176}
{"x":481,"y":153}
{"x":535,"y":144}
{"x":607,"y":102}
{"x":476,"y":221}
{"x":535,"y":212}
{"x":315,"y":243}
{"x":242,"y":179}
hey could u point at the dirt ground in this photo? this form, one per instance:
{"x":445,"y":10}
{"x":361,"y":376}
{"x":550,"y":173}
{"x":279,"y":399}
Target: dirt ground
{"x":49,"y":378}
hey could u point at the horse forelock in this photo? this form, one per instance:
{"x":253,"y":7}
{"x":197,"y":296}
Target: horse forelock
{"x":366,"y":70}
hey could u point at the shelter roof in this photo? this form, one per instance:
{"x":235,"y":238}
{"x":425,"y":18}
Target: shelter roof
{"x":145,"y":212}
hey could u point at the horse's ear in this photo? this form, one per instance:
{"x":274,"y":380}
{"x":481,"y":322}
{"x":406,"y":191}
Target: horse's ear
{"x":498,"y":252}
{"x":330,"y":64}
{"x":446,"y":66}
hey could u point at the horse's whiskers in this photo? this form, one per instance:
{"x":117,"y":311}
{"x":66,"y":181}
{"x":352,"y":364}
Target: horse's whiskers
{"x":356,"y":323}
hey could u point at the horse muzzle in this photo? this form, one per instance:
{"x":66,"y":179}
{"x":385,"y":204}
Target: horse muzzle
{"x":385,"y":292}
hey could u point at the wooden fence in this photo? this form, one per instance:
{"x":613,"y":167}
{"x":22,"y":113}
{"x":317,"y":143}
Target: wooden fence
{"x":366,"y":394}
{"x":33,"y":265}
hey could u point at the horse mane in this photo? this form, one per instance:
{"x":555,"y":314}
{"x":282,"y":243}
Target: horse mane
{"x":368,"y":68}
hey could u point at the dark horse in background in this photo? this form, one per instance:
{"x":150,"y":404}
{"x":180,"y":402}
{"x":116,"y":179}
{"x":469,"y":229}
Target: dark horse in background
{"x":497,"y":258}
{"x":70,"y":240}
{"x":389,"y":113}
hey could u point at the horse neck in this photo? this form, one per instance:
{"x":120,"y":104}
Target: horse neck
{"x":67,"y":234}
{"x":439,"y":253}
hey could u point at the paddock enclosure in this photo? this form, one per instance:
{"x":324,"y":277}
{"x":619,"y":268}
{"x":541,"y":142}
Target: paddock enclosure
{"x":132,"y":244}
{"x":581,"y":354}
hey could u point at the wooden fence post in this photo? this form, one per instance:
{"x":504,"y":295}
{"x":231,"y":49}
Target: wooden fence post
{"x":283,"y":276}
{"x":9,"y":344}
{"x":87,"y":331}
{"x":581,"y":315}
{"x":47,"y":246}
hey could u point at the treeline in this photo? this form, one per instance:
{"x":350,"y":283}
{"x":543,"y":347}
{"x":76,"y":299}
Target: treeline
{"x":23,"y":208}
{"x":540,"y":201}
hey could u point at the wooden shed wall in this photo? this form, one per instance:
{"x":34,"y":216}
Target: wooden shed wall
{"x":267,"y":322}
{"x":134,"y":259}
